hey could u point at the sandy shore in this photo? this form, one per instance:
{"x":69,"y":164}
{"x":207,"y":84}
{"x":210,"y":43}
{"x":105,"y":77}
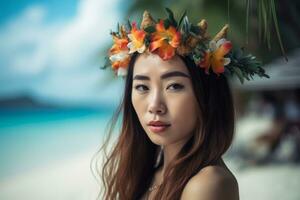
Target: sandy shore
{"x":72,"y":180}
{"x":270,"y":183}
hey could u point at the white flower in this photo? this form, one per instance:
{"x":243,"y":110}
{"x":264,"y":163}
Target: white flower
{"x":122,"y":55}
{"x":122,"y":71}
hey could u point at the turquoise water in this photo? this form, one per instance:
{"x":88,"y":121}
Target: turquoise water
{"x":30,"y":139}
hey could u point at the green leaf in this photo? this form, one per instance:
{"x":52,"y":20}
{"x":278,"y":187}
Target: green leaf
{"x":106,"y":63}
{"x":277,"y":28}
{"x":186,"y":25}
{"x":150,"y":29}
{"x":239,"y":74}
{"x":195,"y":29}
{"x":264,"y":17}
{"x":166,"y":24}
{"x":129,"y":24}
{"x":118,"y":28}
{"x":181,"y":18}
{"x":147,"y":39}
{"x":171,"y":17}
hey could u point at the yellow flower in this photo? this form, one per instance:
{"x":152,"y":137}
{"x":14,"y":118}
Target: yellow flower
{"x":164,"y":41}
{"x":214,"y":57}
{"x":137,"y":38}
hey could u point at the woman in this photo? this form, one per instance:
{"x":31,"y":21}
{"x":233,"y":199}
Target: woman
{"x":178,"y":116}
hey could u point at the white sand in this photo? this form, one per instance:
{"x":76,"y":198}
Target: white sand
{"x":270,"y":183}
{"x":70,"y":179}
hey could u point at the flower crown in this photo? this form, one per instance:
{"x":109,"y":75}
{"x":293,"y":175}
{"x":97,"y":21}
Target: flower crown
{"x":167,"y":37}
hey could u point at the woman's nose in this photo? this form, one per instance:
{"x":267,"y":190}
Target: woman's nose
{"x":157,"y":104}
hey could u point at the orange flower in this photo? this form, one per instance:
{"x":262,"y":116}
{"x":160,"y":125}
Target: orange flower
{"x":214,"y":57}
{"x":137,"y":38}
{"x":119,"y":55}
{"x":164,"y":41}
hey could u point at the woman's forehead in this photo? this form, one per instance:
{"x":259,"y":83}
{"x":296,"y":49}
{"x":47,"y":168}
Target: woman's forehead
{"x":152,"y":64}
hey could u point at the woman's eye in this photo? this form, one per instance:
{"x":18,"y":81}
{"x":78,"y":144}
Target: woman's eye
{"x":175,"y":86}
{"x":141,"y":88}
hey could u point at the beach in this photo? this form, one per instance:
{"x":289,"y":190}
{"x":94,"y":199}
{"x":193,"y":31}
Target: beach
{"x":73,"y":180}
{"x":64,"y":172}
{"x":69,"y":179}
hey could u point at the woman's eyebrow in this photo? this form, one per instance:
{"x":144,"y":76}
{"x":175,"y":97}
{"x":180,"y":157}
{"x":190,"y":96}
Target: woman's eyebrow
{"x":164,"y":76}
{"x":174,"y":73}
{"x":141,"y":77}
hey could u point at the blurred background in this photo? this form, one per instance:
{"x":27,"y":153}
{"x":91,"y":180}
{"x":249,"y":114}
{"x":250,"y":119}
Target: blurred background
{"x":55,"y":102}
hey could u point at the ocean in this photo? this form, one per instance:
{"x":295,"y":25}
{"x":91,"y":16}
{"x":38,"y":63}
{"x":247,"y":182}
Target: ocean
{"x":31,"y":139}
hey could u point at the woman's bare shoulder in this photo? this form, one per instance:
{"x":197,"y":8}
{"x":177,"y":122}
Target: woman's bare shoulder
{"x":212,"y":183}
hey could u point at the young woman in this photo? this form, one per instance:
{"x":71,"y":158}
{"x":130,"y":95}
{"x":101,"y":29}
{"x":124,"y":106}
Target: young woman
{"x":177,"y":117}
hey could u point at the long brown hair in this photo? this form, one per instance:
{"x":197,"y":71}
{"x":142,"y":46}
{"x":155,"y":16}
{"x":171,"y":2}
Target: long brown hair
{"x":129,"y":167}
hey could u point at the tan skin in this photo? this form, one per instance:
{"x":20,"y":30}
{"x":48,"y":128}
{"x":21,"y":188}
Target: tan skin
{"x":162,"y":90}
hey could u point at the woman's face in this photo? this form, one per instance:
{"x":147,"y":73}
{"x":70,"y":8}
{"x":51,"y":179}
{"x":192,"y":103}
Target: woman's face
{"x":163,"y":98}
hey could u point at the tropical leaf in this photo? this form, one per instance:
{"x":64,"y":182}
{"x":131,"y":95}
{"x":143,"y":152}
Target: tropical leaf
{"x":273,"y":8}
{"x":167,"y":23}
{"x":239,"y":74}
{"x":181,"y":18}
{"x":150,"y":29}
{"x":129,"y":24}
{"x":186,"y":25}
{"x":171,"y":17}
{"x":267,"y":18}
{"x":106,"y":63}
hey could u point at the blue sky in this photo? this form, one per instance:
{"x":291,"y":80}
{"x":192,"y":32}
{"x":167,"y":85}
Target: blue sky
{"x":57,"y":10}
{"x":51,"y":50}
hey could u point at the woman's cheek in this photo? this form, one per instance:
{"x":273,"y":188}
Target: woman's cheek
{"x":139,"y":104}
{"x":183,"y":109}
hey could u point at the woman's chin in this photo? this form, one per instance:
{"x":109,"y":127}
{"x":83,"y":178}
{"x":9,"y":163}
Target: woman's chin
{"x":159,"y":141}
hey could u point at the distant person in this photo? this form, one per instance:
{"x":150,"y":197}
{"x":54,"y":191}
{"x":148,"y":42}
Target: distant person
{"x":285,"y":125}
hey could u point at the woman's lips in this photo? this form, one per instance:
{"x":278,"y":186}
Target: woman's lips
{"x":158,"y":128}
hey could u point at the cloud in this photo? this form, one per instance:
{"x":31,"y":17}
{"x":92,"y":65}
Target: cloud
{"x":56,"y":60}
{"x":22,"y":43}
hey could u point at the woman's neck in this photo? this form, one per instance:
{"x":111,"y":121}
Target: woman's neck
{"x":170,"y":152}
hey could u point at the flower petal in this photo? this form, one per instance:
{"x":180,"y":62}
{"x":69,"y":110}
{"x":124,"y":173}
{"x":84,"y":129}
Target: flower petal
{"x":217,"y":64}
{"x":160,"y":26}
{"x":221,"y":42}
{"x":226,"y":61}
{"x":166,"y":51}
{"x":175,"y":41}
{"x":156,"y":44}
{"x":223,"y":49}
{"x":122,"y":71}
{"x":115,"y":65}
{"x":119,"y":56}
{"x":141,"y":49}
{"x":137,"y":38}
